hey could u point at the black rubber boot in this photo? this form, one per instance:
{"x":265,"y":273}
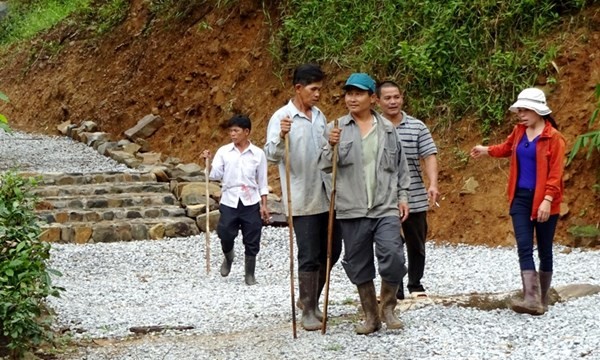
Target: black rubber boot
{"x":308,"y":298}
{"x":531,"y":303}
{"x":227,"y":261}
{"x":320,"y":286}
{"x":250,"y":265}
{"x":545,"y":281}
{"x":368,"y":300}
{"x":388,"y":305}
{"x":400,"y":291}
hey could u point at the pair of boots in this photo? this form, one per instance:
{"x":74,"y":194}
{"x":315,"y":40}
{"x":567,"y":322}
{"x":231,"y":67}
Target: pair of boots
{"x":535,"y":293}
{"x":249,"y":267}
{"x":375,"y":315}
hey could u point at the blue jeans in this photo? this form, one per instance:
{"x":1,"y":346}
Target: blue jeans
{"x":520,"y":211}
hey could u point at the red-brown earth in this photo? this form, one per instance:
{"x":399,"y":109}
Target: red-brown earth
{"x":196,"y":73}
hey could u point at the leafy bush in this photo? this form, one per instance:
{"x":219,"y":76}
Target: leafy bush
{"x":3,"y":119}
{"x":24,"y":278}
{"x":591,"y":139}
{"x":454,"y":57}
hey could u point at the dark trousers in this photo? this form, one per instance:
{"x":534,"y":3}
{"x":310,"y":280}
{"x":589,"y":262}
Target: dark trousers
{"x":359,"y":236}
{"x":246,"y":218}
{"x":311,"y":240}
{"x":524,"y":227}
{"x":415,"y":233}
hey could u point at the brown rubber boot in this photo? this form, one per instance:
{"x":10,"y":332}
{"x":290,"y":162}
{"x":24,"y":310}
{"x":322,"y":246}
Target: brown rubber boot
{"x":531,"y":303}
{"x":368,"y":299}
{"x":320,"y":286}
{"x":250,"y":265}
{"x":227,"y":261}
{"x":545,"y":281}
{"x":388,"y":304}
{"x":308,"y":298}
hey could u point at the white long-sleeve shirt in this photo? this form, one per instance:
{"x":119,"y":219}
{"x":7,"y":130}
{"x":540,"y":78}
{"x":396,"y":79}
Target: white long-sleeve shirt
{"x":306,"y":137}
{"x":243,"y":175}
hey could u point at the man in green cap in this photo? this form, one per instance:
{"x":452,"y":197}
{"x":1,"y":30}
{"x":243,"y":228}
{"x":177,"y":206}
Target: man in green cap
{"x":369,"y":197}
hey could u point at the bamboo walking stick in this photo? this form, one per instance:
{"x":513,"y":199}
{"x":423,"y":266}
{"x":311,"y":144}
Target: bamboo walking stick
{"x":291,"y":229}
{"x":330,"y":232}
{"x":207,"y":233}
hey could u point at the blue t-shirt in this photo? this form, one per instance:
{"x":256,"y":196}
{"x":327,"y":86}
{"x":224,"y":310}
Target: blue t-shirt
{"x":526,"y":162}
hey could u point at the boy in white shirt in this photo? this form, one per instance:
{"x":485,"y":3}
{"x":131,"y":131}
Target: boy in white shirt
{"x":242,"y":169}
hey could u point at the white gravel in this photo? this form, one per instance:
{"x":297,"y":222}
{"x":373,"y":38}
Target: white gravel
{"x":112,"y":287}
{"x":42,"y":153}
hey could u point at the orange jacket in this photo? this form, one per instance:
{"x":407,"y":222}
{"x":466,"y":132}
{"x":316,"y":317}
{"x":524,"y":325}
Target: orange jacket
{"x":549,"y":160}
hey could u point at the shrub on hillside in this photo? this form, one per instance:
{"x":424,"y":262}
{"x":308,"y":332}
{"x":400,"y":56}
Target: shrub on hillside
{"x":591,"y":139}
{"x":3,"y":119}
{"x":455,"y":57}
{"x":24,"y":278}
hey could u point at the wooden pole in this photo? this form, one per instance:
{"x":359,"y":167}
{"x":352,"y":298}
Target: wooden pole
{"x":207,"y":233}
{"x":291,"y":229}
{"x":330,"y":232}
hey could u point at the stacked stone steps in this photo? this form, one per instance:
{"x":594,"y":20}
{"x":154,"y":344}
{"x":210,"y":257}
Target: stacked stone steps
{"x":91,"y":178}
{"x":109,"y":200}
{"x":106,"y":207}
{"x":119,"y":230}
{"x":81,"y":215}
{"x":102,"y":189}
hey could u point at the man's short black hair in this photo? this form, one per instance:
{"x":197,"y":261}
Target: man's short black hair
{"x":307,"y":74}
{"x":241,"y":121}
{"x":387,"y":83}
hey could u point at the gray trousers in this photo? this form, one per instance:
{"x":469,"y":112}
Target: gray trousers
{"x":359,"y":235}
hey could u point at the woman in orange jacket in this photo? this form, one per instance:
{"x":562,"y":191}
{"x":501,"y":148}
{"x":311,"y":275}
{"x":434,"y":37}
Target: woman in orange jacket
{"x":535,"y":190}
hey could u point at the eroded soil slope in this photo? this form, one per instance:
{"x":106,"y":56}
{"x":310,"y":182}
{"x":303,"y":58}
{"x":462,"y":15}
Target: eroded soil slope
{"x":197,"y":73}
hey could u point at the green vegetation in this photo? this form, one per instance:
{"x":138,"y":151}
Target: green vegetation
{"x":24,"y":277}
{"x":454,"y":57}
{"x":3,"y":120}
{"x":591,"y":139}
{"x":27,"y":18}
{"x":584,"y":231}
{"x":106,"y":16}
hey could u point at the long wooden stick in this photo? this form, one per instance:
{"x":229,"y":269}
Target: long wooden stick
{"x":291,"y":229}
{"x":207,"y":233}
{"x":330,"y":232}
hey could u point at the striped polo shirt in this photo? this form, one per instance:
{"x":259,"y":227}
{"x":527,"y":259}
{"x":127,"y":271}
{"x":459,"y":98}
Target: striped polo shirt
{"x":418,"y":144}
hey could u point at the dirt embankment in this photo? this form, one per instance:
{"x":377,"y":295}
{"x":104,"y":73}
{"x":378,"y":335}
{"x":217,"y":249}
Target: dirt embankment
{"x":196,"y":73}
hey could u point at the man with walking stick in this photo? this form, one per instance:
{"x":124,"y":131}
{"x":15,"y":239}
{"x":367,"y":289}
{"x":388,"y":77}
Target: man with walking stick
{"x":369,"y":197}
{"x":242,"y":167}
{"x":303,"y":124}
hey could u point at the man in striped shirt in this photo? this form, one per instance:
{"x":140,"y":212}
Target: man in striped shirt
{"x":417,"y":144}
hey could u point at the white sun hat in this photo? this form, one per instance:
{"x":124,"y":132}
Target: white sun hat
{"x":532,"y":99}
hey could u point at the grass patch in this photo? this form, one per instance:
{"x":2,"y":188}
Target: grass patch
{"x":28,"y":18}
{"x":454,"y":58}
{"x":584,"y":231}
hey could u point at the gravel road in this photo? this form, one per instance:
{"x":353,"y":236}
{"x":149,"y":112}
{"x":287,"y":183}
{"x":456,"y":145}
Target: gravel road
{"x":115,"y":286}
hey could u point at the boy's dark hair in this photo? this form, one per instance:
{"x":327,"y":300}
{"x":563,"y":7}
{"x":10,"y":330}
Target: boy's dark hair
{"x":307,"y":74}
{"x":384,"y":84}
{"x":241,"y":121}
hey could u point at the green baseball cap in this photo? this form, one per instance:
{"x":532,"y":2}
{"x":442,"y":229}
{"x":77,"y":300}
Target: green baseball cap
{"x":361,"y":81}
